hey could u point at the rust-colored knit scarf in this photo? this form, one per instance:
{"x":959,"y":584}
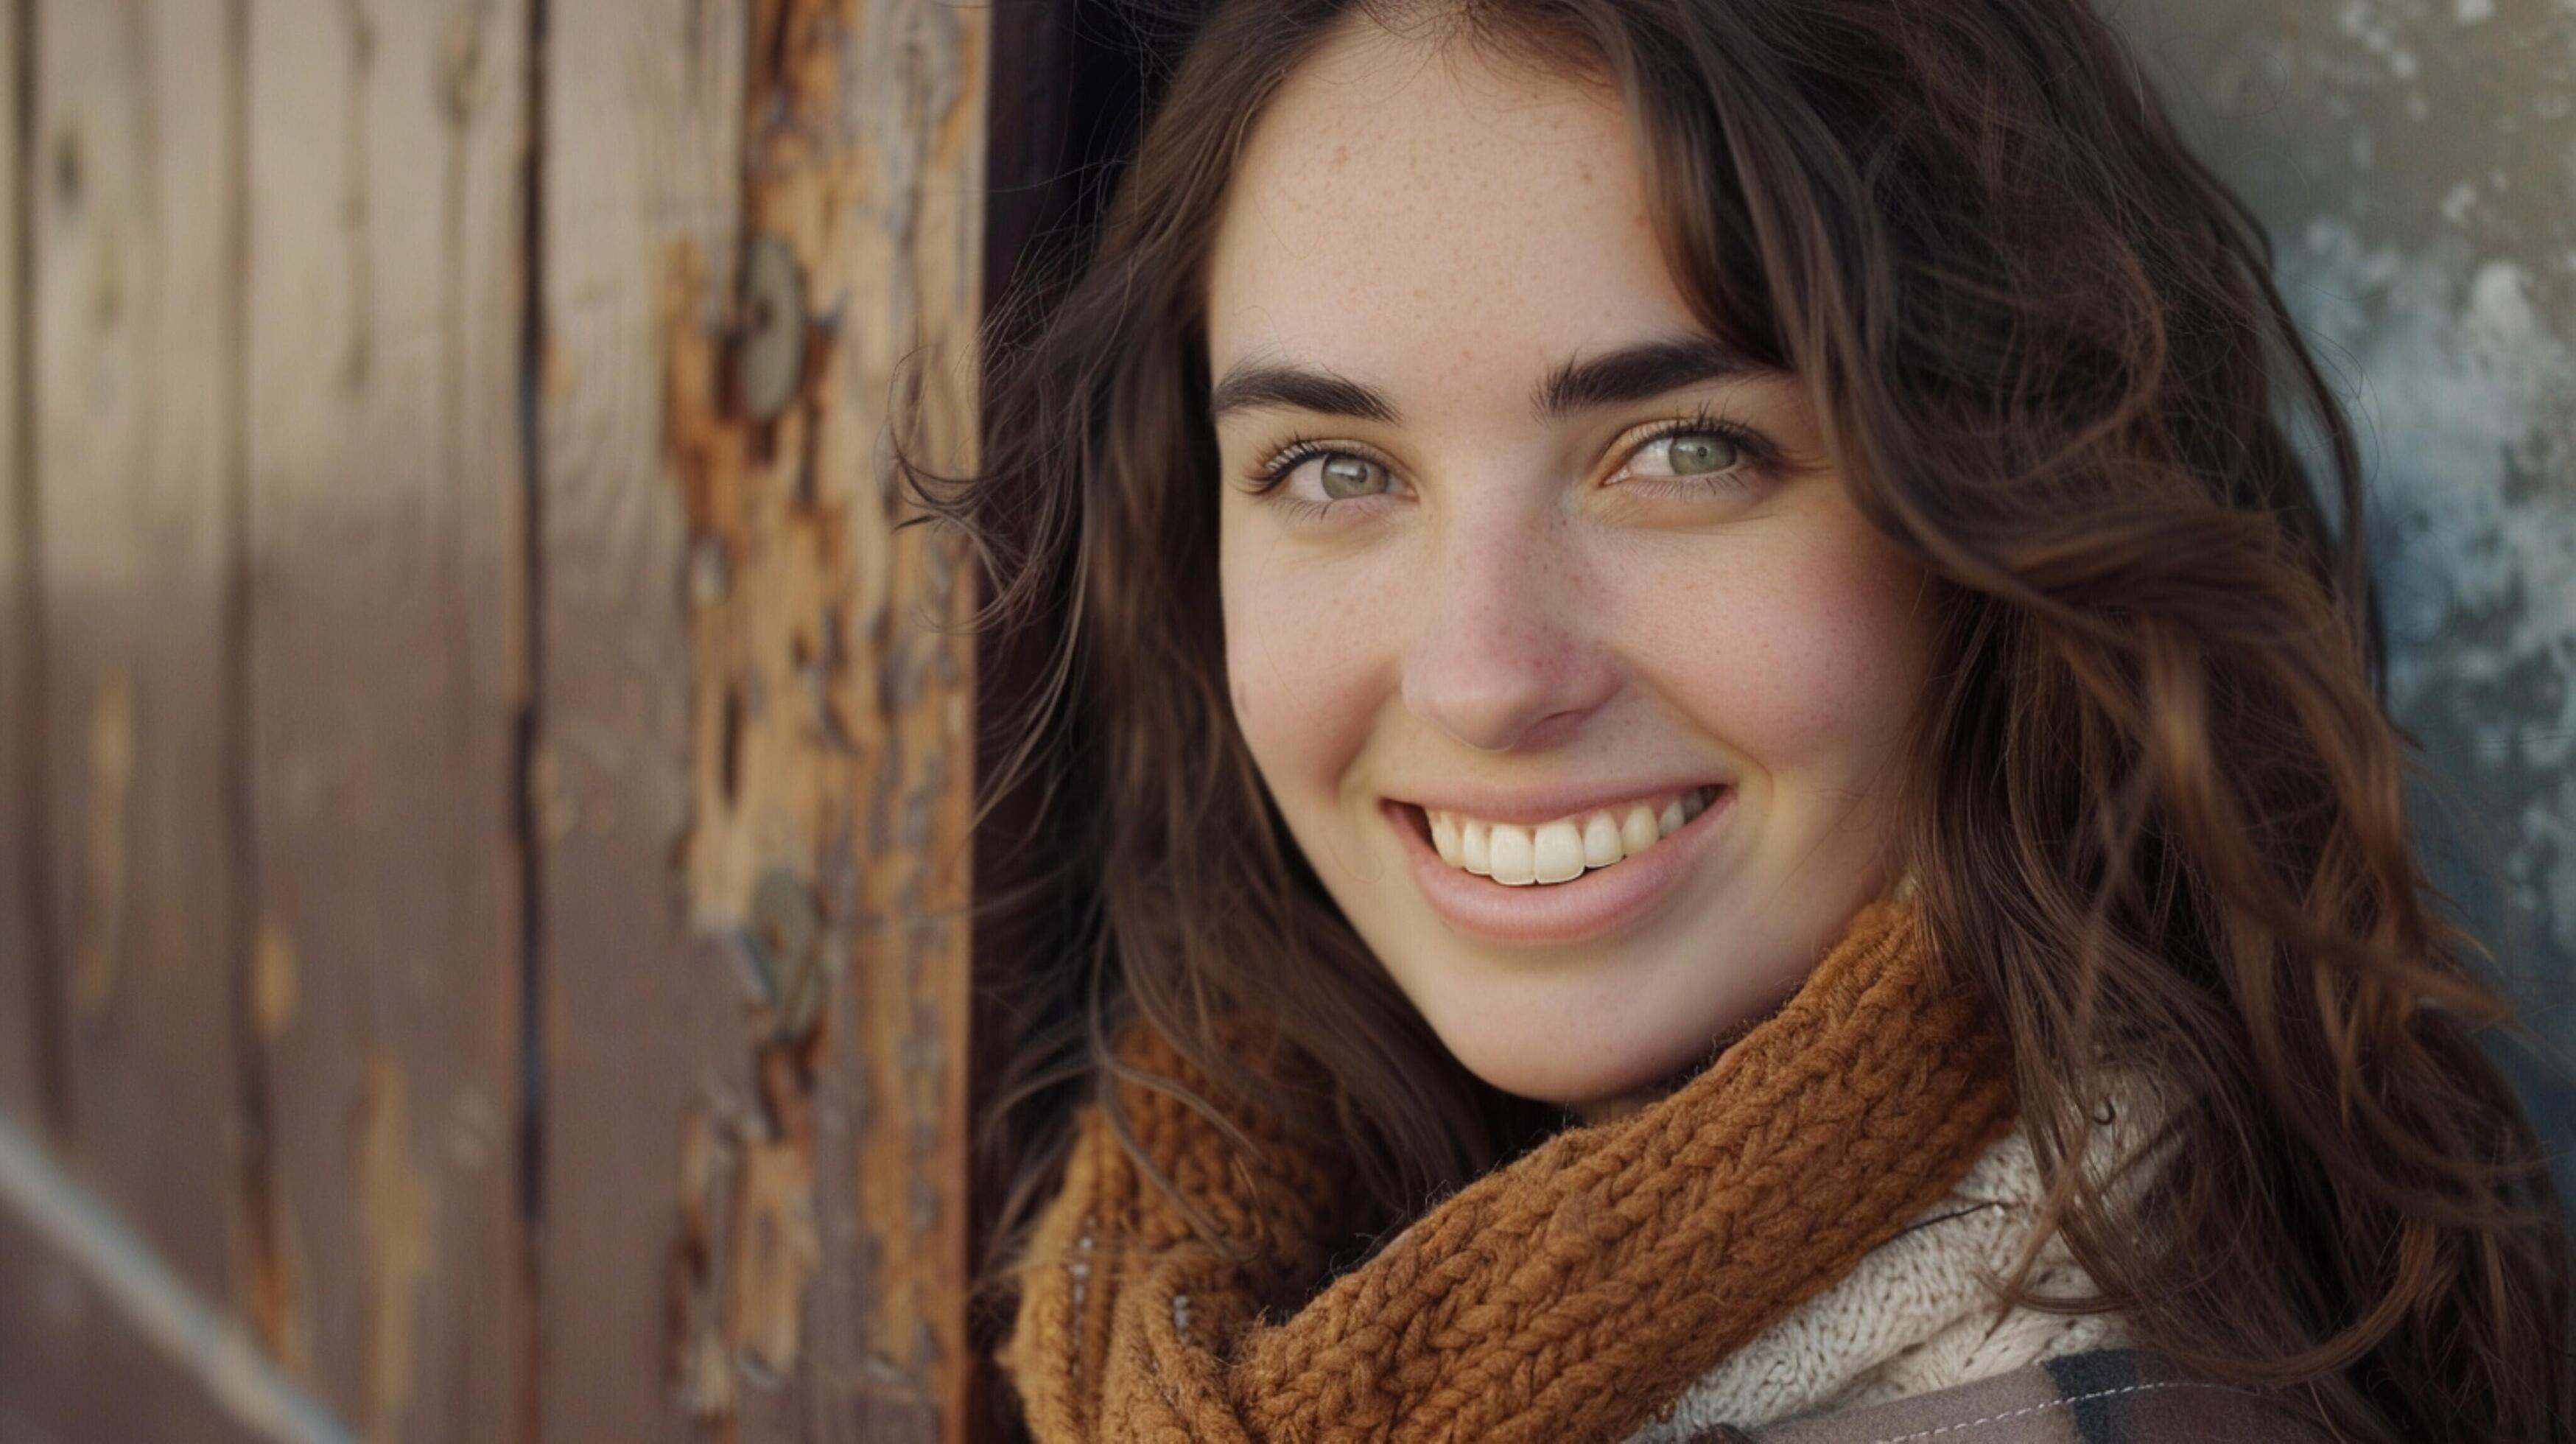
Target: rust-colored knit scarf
{"x":1563,"y":1297}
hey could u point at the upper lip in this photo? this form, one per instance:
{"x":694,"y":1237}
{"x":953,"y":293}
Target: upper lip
{"x":1530,"y":806}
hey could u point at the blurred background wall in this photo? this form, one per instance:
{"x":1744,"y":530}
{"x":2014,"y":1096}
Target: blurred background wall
{"x":2415,"y":164}
{"x":482,"y":780}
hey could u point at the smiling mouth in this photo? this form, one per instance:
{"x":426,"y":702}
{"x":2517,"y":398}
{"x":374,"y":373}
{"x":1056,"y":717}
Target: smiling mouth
{"x":1561,"y":850}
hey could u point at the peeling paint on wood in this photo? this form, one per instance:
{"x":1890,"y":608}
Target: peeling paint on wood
{"x":700,"y":1371}
{"x":776,"y":1245}
{"x":293,"y":432}
{"x":649,"y":1047}
{"x":749,"y":1243}
{"x":827,"y":683}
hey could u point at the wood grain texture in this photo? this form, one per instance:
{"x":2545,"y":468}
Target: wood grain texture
{"x":644,"y":1027}
{"x":387,"y":675}
{"x":131,"y":217}
{"x":122,"y":921}
{"x":834,"y":738}
{"x":71,"y":1370}
{"x":917,"y":268}
{"x":741,"y":585}
{"x":287,"y":636}
{"x":28,"y":1026}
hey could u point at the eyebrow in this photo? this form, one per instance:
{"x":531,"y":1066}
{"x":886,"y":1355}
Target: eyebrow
{"x":1639,"y":372}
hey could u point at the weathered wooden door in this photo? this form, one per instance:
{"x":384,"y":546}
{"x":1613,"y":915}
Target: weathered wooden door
{"x":484,"y":846}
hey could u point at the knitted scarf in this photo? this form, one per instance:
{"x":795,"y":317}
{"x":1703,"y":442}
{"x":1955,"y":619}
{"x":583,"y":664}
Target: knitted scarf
{"x":1566,"y":1295}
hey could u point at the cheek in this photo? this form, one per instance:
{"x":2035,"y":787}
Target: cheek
{"x":1306,"y":654}
{"x":1801,"y":648}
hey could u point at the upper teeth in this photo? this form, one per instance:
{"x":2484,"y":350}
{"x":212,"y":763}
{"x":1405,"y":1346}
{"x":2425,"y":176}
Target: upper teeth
{"x":1563,"y":850}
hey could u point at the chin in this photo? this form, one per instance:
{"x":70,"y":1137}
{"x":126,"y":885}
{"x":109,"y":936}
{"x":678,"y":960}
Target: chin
{"x":1546,"y":1058}
{"x":1631,"y":1023}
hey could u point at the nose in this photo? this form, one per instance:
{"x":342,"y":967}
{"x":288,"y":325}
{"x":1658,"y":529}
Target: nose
{"x":1504,"y":655}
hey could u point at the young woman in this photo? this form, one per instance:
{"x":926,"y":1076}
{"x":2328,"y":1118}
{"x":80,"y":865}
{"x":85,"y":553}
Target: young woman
{"x":1717,"y":773}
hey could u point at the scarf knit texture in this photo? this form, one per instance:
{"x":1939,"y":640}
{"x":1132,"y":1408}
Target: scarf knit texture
{"x":1572,"y":1294}
{"x":1918,"y":1314}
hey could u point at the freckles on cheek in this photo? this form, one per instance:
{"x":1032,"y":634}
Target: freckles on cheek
{"x":1790,"y":653}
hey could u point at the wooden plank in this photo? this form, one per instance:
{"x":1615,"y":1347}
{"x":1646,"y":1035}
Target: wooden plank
{"x":386,"y":614}
{"x":83,"y":1289}
{"x":126,"y":918}
{"x":73,"y":1370}
{"x":131,"y":222}
{"x":28,"y":1023}
{"x":814,"y":1257}
{"x":644,"y":1026}
{"x":885,"y":214}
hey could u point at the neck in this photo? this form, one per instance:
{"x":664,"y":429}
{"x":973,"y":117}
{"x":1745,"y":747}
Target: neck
{"x":1605,"y":1110}
{"x":1617,"y":1106}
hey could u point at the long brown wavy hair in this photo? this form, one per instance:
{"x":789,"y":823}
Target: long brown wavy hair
{"x":2156,"y":806}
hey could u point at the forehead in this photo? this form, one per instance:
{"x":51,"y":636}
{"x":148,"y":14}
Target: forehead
{"x":1405,"y":209}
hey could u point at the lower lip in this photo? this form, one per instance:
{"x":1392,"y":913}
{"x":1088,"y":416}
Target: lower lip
{"x":1603,"y":899}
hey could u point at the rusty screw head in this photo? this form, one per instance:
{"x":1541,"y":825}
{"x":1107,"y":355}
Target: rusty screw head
{"x":784,"y":938}
{"x":710,"y":573}
{"x":769,"y":352}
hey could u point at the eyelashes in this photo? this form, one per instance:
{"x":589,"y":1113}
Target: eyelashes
{"x":1274,"y":468}
{"x":1758,"y":460}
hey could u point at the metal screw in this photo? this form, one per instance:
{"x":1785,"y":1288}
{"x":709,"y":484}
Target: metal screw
{"x":784,"y":937}
{"x":769,"y":352}
{"x":710,"y":574}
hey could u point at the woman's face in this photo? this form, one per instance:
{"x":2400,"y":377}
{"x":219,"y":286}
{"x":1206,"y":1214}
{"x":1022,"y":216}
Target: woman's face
{"x":1542,"y":571}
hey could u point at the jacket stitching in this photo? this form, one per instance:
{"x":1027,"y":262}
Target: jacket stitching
{"x":2054,"y":1404}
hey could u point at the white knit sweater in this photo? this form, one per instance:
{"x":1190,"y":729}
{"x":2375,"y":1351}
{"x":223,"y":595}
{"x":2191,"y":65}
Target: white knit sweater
{"x":1919,"y":1313}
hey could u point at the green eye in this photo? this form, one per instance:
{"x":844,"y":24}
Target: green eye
{"x":1346,"y":476}
{"x":1697,"y":453}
